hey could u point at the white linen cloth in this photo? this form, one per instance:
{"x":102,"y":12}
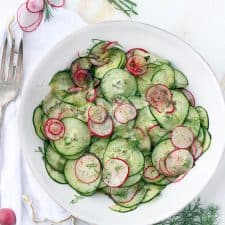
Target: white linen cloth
{"x":16,"y":178}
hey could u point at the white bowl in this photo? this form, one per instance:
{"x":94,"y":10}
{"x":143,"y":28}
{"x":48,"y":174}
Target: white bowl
{"x":203,"y":84}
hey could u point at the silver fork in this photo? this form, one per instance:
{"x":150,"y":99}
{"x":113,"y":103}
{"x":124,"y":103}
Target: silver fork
{"x":10,"y":83}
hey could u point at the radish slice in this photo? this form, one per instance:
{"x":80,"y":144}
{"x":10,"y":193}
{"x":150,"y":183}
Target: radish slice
{"x":54,"y":129}
{"x":75,"y":89}
{"x":132,"y":51}
{"x":137,"y":65}
{"x":97,"y":114}
{"x":162,"y":168}
{"x":127,"y":196}
{"x":35,"y":6}
{"x":159,"y":96}
{"x":82,"y":78}
{"x":151,"y":173}
{"x":115,"y":172}
{"x":87,"y":169}
{"x":91,"y":95}
{"x":125,"y":112}
{"x":108,"y":45}
{"x":189,"y":96}
{"x":56,"y":3}
{"x":181,"y":177}
{"x":7,"y":216}
{"x":196,"y":149}
{"x":101,"y":130}
{"x":28,"y":21}
{"x":182,"y":137}
{"x":179,"y":161}
{"x":170,"y":109}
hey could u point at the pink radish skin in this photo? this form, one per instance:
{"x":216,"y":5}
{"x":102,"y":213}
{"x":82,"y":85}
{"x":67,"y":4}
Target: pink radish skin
{"x":196,"y":149}
{"x":81,"y":164}
{"x":149,"y":169}
{"x":75,"y":89}
{"x":130,"y":197}
{"x":91,"y":95}
{"x":120,"y":177}
{"x":163,"y":169}
{"x":182,"y":137}
{"x":131,"y":51}
{"x":54,"y":129}
{"x":7,"y":217}
{"x":35,"y":6}
{"x":101,"y":114}
{"x":56,"y":3}
{"x":189,"y":96}
{"x":28,"y":21}
{"x":181,"y":177}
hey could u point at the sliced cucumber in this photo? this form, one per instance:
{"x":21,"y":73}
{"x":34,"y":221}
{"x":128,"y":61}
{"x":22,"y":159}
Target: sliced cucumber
{"x":80,"y":63}
{"x":54,"y":159}
{"x":204,"y":118}
{"x":156,"y":133}
{"x":48,"y":102}
{"x":117,"y":59}
{"x":138,"y":102}
{"x":118,"y":82}
{"x":76,"y":156}
{"x":61,"y":82}
{"x":131,"y":180}
{"x":55,"y":175}
{"x":38,"y":122}
{"x":181,"y":80}
{"x":104,"y":103}
{"x":121,"y":148}
{"x":152,"y":192}
{"x":121,"y":209}
{"x":207,"y":140}
{"x":201,"y":136}
{"x":98,"y":148}
{"x":192,"y":121}
{"x":76,"y":137}
{"x":74,"y":182}
{"x":157,"y":60}
{"x":170,"y":121}
{"x":165,"y":75}
{"x":145,"y":119}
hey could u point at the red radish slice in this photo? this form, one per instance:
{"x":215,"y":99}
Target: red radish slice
{"x":151,"y":173}
{"x":152,"y":127}
{"x":87,"y":169}
{"x":196,"y":149}
{"x":130,"y":193}
{"x":125,"y":112}
{"x":108,"y":45}
{"x":91,"y":95}
{"x":137,"y":65}
{"x":115,"y":172}
{"x":179,"y":161}
{"x":56,"y":3}
{"x":82,"y":78}
{"x":35,"y":6}
{"x":181,"y":177}
{"x":159,"y":96}
{"x":140,"y":131}
{"x":170,"y":109}
{"x":28,"y":21}
{"x":189,"y":96}
{"x":7,"y":216}
{"x":101,"y":130}
{"x":182,"y":137}
{"x":131,"y":52}
{"x":97,"y":114}
{"x":54,"y":129}
{"x":75,"y":89}
{"x":162,"y":168}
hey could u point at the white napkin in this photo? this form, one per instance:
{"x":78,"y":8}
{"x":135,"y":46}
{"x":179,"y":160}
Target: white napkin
{"x":16,"y":178}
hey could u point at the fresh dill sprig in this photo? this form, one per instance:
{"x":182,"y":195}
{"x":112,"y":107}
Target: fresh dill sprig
{"x":126,"y":6}
{"x":48,"y":11}
{"x":194,"y":214}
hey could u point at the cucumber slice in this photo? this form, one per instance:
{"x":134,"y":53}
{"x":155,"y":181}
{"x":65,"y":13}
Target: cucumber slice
{"x":165,"y":75}
{"x":145,"y":119}
{"x":38,"y":122}
{"x":117,"y":59}
{"x":152,"y":192}
{"x":170,"y":121}
{"x":138,"y":102}
{"x":192,"y":121}
{"x":157,"y":60}
{"x":207,"y":140}
{"x":165,"y":181}
{"x":156,"y":133}
{"x":121,"y":209}
{"x":78,"y":99}
{"x":54,"y":159}
{"x":55,"y":175}
{"x":201,"y":136}
{"x":203,"y":115}
{"x":80,"y":63}
{"x":104,"y":103}
{"x":121,"y":148}
{"x":131,"y":180}
{"x":61,"y":81}
{"x":48,"y":102}
{"x":76,"y":156}
{"x":75,"y":183}
{"x":76,"y":137}
{"x":181,"y":80}
{"x":161,"y":151}
{"x":98,"y":148}
{"x":118,"y":82}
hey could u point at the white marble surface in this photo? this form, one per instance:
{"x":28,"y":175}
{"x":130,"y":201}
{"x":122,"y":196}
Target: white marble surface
{"x":201,"y":23}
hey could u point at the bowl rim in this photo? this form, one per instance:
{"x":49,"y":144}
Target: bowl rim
{"x":86,"y":27}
